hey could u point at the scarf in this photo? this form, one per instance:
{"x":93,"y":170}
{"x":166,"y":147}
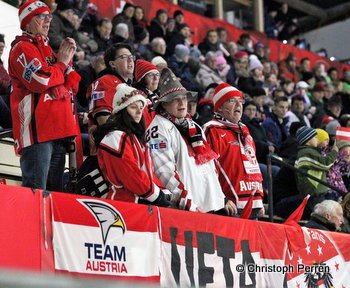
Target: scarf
{"x":192,"y":134}
{"x":247,"y":147}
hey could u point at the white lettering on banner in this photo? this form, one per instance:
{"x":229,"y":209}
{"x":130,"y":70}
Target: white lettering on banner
{"x":249,"y":186}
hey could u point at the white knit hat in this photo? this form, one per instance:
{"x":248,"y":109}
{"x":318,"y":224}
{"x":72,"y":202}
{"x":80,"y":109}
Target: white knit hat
{"x":125,"y":96}
{"x":158,"y":60}
{"x":224,"y":92}
{"x":254,"y":62}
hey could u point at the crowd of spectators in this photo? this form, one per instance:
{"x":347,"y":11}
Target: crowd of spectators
{"x":279,"y":104}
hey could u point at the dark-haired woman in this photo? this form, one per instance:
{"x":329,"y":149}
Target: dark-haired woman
{"x":122,"y":154}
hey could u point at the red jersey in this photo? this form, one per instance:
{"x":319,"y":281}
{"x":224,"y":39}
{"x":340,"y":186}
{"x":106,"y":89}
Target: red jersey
{"x":38,"y":115}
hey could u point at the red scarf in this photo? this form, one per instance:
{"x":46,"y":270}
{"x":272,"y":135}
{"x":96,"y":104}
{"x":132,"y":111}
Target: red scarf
{"x":192,"y":134}
{"x":247,"y":146}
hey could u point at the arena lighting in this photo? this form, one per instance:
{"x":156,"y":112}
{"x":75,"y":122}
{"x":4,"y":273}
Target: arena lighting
{"x":332,"y":58}
{"x":284,"y":41}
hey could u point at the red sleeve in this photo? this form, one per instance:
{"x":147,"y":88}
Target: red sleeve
{"x":123,"y":167}
{"x":28,"y":66}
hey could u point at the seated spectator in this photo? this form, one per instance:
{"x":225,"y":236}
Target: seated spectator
{"x":102,"y":35}
{"x":183,"y":160}
{"x":179,"y":19}
{"x":256,"y":78}
{"x":210,"y":42}
{"x":275,"y":123}
{"x":179,"y":37}
{"x":327,"y":215}
{"x":322,"y":139}
{"x":222,"y":37}
{"x":320,"y":73}
{"x":297,"y":112}
{"x":288,"y":68}
{"x":158,"y":27}
{"x":120,"y":68}
{"x":129,"y":180}
{"x":271,"y":29}
{"x":301,"y":89}
{"x":245,"y":43}
{"x":147,"y":80}
{"x":289,"y":147}
{"x":331,"y":129}
{"x":316,"y":100}
{"x":139,"y":19}
{"x":223,"y":67}
{"x":158,"y":47}
{"x":334,"y":106}
{"x":121,"y":33}
{"x":125,"y":17}
{"x":208,"y":72}
{"x":311,"y":161}
{"x":260,"y":51}
{"x":345,"y":203}
{"x":258,"y":96}
{"x":340,"y":168}
{"x":141,"y":44}
{"x":238,"y":181}
{"x":241,"y":65}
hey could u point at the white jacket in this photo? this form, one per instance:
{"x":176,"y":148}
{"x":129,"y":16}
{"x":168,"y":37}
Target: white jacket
{"x":192,"y":185}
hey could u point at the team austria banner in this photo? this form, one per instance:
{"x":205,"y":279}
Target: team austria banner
{"x":102,"y":237}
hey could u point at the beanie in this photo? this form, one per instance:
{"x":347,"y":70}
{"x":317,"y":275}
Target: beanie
{"x":125,"y":96}
{"x":29,"y":9}
{"x":304,"y":134}
{"x":331,"y":127}
{"x":181,"y":51}
{"x":342,"y":143}
{"x":158,"y":60}
{"x":143,"y":67}
{"x":322,"y":135}
{"x":240,"y":54}
{"x":319,"y":87}
{"x":220,"y":60}
{"x":224,"y":92}
{"x":254,"y":63}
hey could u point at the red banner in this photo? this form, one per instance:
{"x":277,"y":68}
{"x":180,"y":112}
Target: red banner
{"x":230,"y":252}
{"x":96,"y":237}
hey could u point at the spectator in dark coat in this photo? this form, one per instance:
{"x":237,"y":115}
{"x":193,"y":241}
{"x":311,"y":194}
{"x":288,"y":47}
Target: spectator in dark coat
{"x":125,"y":17}
{"x":276,"y":124}
{"x":210,"y":42}
{"x":102,"y":34}
{"x":158,"y":27}
{"x":179,"y":37}
{"x":327,"y":215}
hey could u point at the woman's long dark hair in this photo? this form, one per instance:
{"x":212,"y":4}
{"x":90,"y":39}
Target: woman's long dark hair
{"x":121,"y":121}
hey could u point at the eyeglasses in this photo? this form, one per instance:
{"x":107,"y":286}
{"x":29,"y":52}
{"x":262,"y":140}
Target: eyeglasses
{"x":236,"y":100}
{"x":44,"y":16}
{"x":126,"y":57}
{"x":153,"y":75}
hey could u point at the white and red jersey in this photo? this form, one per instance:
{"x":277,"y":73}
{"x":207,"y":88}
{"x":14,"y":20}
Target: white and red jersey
{"x":193,"y":186}
{"x":37,"y":114}
{"x":127,"y":165}
{"x":235,"y":182}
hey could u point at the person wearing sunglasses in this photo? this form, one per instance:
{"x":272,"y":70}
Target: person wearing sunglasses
{"x":44,"y":84}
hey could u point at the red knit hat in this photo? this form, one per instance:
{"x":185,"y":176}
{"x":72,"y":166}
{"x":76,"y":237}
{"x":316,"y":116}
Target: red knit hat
{"x":142,"y":67}
{"x":224,"y":92}
{"x":29,"y":9}
{"x":240,"y":54}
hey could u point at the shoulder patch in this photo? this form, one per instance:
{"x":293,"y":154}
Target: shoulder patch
{"x":95,"y":95}
{"x":31,"y":68}
{"x":158,"y":145}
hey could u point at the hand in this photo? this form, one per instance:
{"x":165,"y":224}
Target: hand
{"x":271,"y":148}
{"x":261,"y":212}
{"x":163,"y":200}
{"x":230,"y":208}
{"x":66,"y":51}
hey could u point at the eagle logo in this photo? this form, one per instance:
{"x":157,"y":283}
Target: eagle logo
{"x":106,"y":215}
